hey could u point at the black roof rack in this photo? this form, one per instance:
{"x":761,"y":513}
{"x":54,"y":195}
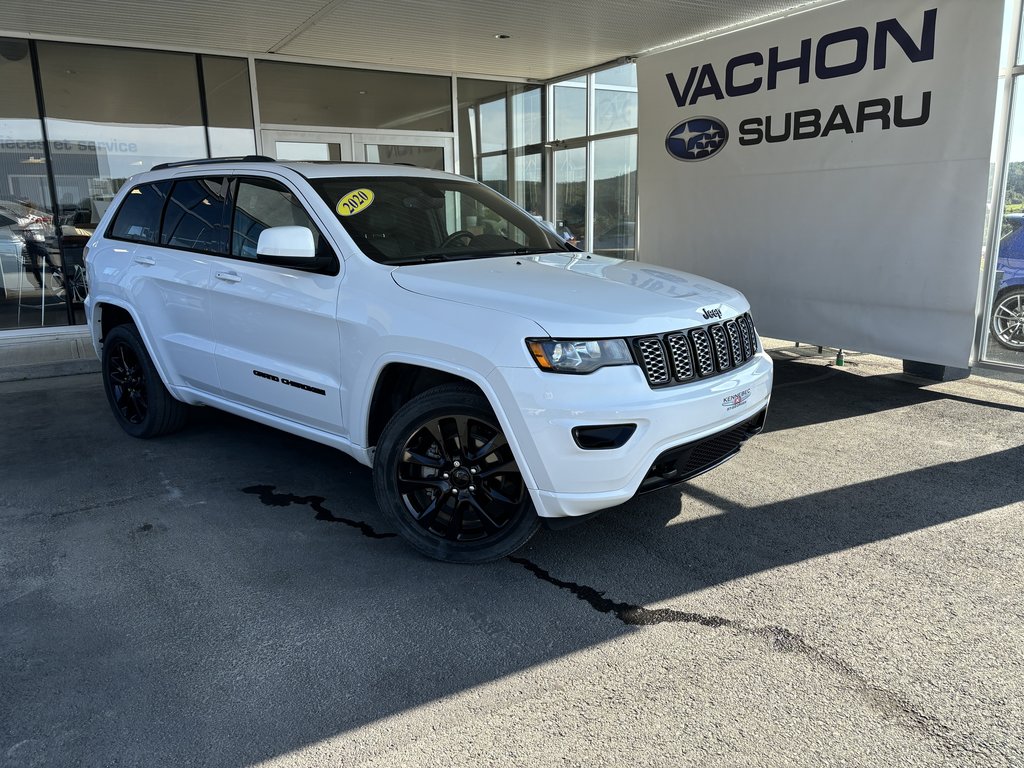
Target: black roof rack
{"x":211,"y":160}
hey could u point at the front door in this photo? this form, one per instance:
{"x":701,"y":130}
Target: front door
{"x":276,"y":328}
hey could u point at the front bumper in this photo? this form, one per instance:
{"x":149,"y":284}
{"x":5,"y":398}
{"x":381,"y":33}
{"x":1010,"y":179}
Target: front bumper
{"x":569,"y":481}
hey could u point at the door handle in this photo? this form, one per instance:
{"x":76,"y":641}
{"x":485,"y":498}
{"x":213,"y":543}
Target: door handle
{"x":229,"y":277}
{"x":145,"y":260}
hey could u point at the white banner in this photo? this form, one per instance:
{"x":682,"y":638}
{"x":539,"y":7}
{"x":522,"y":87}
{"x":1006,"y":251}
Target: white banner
{"x":834,"y":166}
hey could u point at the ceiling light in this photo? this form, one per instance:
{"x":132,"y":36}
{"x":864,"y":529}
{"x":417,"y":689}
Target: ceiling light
{"x":503,"y":37}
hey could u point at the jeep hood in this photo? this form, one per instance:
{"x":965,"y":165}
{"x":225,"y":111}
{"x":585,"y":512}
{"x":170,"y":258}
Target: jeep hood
{"x":577,"y":294}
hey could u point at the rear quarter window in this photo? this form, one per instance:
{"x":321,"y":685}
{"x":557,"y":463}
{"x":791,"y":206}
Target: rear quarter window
{"x":138,"y":218}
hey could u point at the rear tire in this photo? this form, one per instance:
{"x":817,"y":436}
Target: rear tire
{"x":445,"y":472}
{"x":138,"y":398}
{"x":1008,"y":319}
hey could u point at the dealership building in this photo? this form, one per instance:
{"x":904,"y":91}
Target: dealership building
{"x":809,"y":153}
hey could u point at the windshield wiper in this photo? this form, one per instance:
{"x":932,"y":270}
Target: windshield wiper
{"x":522,"y":251}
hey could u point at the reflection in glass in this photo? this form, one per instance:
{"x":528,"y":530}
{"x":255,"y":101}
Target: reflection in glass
{"x":32,"y":282}
{"x":615,"y":99}
{"x":494,"y":173}
{"x":307,"y":151}
{"x":195,"y":217}
{"x":615,"y":197}
{"x":570,"y":107}
{"x":97,"y":143}
{"x":420,"y":157}
{"x":570,"y":178}
{"x":472,"y":95}
{"x":228,"y":106}
{"x":528,"y":190}
{"x":624,"y":76}
{"x":492,"y":128}
{"x":526,"y":115}
{"x":1004,"y":341}
{"x":305,"y":94}
{"x":420,"y":220}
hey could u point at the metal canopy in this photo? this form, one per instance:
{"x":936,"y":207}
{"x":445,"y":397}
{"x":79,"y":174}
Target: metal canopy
{"x":548,"y":38}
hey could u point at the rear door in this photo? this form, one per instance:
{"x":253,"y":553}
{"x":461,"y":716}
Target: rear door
{"x":166,"y":233}
{"x":277,"y":338}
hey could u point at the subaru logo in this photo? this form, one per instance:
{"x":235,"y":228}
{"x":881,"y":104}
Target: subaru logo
{"x":697,"y":139}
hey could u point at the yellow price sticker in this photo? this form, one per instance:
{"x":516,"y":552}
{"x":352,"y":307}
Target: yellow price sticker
{"x":354,"y":202}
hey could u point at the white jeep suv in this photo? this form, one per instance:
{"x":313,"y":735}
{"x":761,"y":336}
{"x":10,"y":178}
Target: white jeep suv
{"x":489,"y":373}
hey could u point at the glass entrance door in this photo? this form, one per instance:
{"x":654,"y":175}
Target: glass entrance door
{"x":422,"y":151}
{"x":325,"y":146}
{"x":434,"y":152}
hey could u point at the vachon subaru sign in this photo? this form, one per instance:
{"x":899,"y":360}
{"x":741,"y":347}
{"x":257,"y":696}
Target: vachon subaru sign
{"x":828,"y":163}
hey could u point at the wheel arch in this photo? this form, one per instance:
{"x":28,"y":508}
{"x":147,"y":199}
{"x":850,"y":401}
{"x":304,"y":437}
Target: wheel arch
{"x":107,"y":315}
{"x":1009,"y":286}
{"x":399,"y":379}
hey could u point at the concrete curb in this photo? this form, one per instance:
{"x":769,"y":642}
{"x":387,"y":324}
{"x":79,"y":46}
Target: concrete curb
{"x":48,"y":370}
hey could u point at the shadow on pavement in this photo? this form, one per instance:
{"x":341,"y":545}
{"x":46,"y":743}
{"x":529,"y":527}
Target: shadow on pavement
{"x":205,"y":609}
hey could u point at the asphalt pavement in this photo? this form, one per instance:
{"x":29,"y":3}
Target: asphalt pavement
{"x":846,"y":591}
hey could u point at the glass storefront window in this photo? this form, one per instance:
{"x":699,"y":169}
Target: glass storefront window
{"x":490,"y":114}
{"x":492,"y":127}
{"x":1004,"y":342}
{"x":106,"y":121}
{"x":528,"y":190}
{"x":494,"y":173}
{"x":570,"y":108}
{"x":615,"y":197}
{"x":615,"y":99}
{"x":607,"y":222}
{"x":32,"y":290}
{"x":473,"y":94}
{"x":309,"y":95}
{"x":526,"y":116}
{"x":228,"y":106}
{"x":570,"y":180}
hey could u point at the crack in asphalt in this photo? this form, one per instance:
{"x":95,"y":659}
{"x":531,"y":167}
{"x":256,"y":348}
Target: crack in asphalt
{"x":267,"y":495}
{"x":888,"y":703}
{"x":779,"y":638}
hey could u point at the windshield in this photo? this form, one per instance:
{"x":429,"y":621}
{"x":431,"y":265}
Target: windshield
{"x":414,"y":220}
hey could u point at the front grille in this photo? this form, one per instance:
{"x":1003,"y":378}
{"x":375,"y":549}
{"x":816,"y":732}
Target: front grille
{"x":721,"y":347}
{"x":682,"y":360}
{"x":687,"y":461}
{"x":682,"y":356}
{"x":652,"y":358}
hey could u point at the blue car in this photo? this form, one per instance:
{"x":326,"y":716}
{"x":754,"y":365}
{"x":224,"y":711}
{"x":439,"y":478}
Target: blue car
{"x":1008,"y":306}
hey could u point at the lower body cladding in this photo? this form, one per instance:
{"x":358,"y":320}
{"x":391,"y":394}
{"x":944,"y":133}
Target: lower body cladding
{"x":680,"y":431}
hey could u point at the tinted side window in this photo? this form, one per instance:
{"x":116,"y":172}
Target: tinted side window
{"x":196,"y":216}
{"x":138,"y":218}
{"x":263,"y":203}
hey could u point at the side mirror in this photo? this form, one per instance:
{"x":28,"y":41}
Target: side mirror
{"x":286,"y":243}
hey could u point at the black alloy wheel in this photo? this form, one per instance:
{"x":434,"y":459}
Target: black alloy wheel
{"x":447,"y":473}
{"x":127,"y":383}
{"x":138,"y":398}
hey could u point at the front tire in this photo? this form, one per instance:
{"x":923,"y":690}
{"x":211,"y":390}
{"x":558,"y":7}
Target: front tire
{"x":1008,"y":319}
{"x":138,"y":398}
{"x":445,"y":472}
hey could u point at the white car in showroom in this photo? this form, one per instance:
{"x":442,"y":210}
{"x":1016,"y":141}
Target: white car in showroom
{"x":490,"y":374}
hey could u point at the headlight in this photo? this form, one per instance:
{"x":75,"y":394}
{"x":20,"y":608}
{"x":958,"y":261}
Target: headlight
{"x":579,"y":356}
